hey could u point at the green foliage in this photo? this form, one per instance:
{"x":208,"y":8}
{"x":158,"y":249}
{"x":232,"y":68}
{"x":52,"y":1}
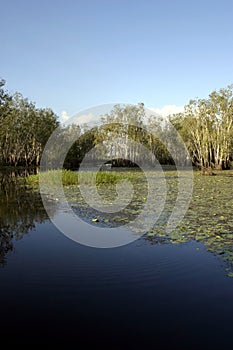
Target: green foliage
{"x":206,"y":126}
{"x":132,"y":123}
{"x":24,"y":129}
{"x":84,"y":143}
{"x":207,"y":129}
{"x":69,"y":177}
{"x":52,"y":177}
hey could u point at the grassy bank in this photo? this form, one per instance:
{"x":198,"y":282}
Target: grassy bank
{"x":52,"y":177}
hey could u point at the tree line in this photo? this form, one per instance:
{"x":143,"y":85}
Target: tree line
{"x":119,"y":137}
{"x":205,"y":126}
{"x":24,"y":129}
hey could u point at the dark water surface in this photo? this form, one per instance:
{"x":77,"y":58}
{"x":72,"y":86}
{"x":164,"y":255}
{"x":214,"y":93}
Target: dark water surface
{"x":54,"y":291}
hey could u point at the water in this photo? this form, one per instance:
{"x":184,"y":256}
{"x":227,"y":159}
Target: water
{"x":55,"y":291}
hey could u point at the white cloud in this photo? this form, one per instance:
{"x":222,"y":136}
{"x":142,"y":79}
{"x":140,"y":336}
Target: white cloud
{"x":64,"y":116}
{"x":93,"y":119}
{"x":168,"y":109}
{"x":85,"y":118}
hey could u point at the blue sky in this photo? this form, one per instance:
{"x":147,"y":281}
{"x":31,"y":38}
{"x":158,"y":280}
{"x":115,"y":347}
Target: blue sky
{"x":72,"y":55}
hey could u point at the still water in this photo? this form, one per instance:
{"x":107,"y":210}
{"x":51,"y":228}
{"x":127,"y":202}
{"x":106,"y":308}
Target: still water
{"x":55,"y":291}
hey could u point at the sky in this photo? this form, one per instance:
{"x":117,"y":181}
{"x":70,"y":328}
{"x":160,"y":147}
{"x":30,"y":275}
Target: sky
{"x":72,"y":55}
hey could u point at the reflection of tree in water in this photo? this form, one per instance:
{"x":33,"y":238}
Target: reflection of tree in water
{"x":20,"y":209}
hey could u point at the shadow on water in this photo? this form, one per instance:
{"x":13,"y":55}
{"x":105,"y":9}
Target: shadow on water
{"x":20,"y":210}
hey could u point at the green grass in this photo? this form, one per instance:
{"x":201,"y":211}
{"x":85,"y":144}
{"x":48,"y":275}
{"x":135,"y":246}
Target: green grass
{"x":102,"y":177}
{"x":52,"y":177}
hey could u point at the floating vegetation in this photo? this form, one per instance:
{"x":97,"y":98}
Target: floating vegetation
{"x":208,"y":219}
{"x":209,"y":216}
